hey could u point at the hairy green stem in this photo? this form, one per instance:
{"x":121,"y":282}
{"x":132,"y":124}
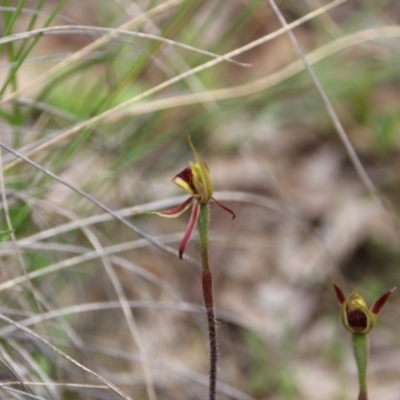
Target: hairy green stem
{"x":208,"y":297}
{"x":360,"y":347}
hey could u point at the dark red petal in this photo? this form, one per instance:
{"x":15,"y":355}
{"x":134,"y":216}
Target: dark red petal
{"x":176,"y":211}
{"x":187,"y":176}
{"x":190,"y":228}
{"x":224,"y":207}
{"x":339,"y":294}
{"x":376,"y":307}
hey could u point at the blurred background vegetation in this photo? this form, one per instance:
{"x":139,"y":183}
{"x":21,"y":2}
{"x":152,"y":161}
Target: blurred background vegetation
{"x":98,"y":118}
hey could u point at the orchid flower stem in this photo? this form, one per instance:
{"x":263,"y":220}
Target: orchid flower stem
{"x":360,"y":347}
{"x":208,"y":297}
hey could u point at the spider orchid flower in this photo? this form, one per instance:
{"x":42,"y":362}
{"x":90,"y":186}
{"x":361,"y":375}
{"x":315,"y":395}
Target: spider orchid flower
{"x":355,"y":316}
{"x":196,"y":181}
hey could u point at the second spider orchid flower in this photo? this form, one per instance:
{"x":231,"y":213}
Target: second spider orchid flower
{"x":358,"y":319}
{"x":196,"y":181}
{"x":355,"y":316}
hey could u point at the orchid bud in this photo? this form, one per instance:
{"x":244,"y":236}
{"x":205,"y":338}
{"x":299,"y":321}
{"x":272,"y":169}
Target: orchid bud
{"x":355,"y":315}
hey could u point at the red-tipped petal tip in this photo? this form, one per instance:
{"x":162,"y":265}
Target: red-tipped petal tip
{"x":224,"y":208}
{"x":376,"y":307}
{"x":339,"y":294}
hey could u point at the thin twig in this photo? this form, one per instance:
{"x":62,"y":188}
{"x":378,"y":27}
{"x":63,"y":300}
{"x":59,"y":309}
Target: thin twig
{"x":126,"y":310}
{"x":108,"y":210}
{"x":60,"y":384}
{"x":362,"y":173}
{"x":243,"y":197}
{"x":66,"y":356}
{"x":37,"y":296}
{"x":36,"y":12}
{"x":21,"y":393}
{"x":89,"y":30}
{"x":223,"y":388}
{"x":87,"y":49}
{"x":266,"y":82}
{"x":123,"y":302}
{"x":90,"y":255}
{"x":113,"y":305}
{"x":115,"y":110}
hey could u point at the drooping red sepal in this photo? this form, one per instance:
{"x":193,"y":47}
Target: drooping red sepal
{"x":190,"y":228}
{"x":224,"y":207}
{"x":376,"y":307}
